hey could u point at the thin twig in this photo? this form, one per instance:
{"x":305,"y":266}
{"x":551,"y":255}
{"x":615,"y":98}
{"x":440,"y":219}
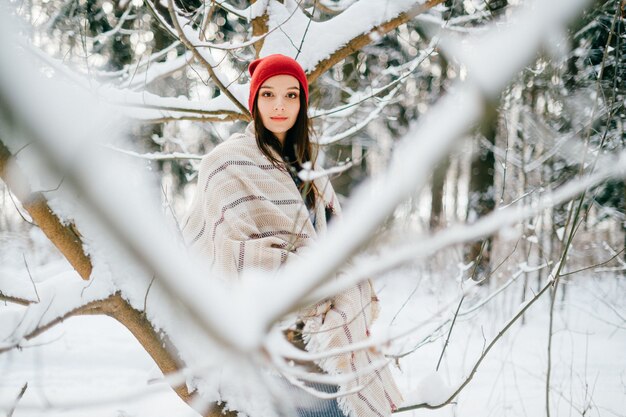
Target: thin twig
{"x":17,"y":399}
{"x":306,"y":30}
{"x":406,"y":301}
{"x":55,"y":188}
{"x":31,"y":278}
{"x":145,"y":298}
{"x":169,"y":206}
{"x":19,"y":211}
{"x":595,"y":265}
{"x":14,"y":300}
{"x":375,"y":93}
{"x":449,"y":332}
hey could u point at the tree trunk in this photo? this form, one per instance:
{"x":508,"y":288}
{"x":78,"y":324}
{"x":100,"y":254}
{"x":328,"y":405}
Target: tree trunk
{"x":481,"y":200}
{"x":437,"y":217}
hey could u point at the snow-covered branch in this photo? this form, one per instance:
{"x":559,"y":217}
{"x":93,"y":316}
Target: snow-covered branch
{"x":520,"y":272}
{"x":281,"y":349}
{"x":328,"y":42}
{"x":157,"y":156}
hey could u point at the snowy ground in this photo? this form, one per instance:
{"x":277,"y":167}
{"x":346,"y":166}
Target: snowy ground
{"x":94,"y":360}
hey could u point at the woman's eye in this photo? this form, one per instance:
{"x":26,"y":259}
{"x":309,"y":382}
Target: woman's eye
{"x":292,"y":95}
{"x":266,"y":94}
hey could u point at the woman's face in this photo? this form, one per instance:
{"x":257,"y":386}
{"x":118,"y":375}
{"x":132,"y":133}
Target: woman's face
{"x":278,"y":104}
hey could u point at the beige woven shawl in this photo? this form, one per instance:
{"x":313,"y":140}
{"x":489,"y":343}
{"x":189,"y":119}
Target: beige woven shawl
{"x":248,"y":214}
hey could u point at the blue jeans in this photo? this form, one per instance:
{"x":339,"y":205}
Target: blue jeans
{"x":311,"y":406}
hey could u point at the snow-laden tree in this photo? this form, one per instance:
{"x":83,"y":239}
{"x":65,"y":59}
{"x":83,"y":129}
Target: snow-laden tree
{"x":177,"y":71}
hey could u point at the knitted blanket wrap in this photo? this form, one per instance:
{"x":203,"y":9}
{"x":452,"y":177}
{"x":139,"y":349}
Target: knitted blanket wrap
{"x":247,"y":214}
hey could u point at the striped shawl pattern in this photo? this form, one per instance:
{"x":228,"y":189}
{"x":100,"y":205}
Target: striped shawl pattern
{"x":248,"y":214}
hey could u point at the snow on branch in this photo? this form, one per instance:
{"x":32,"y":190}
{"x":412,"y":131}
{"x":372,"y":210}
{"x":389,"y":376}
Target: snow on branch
{"x":146,"y":70}
{"x":457,"y":24}
{"x":225,"y":46}
{"x":156,"y":156}
{"x":282,"y":352}
{"x":282,"y":349}
{"x":123,"y":19}
{"x":307,"y":174}
{"x":151,"y":107}
{"x":523,"y":269}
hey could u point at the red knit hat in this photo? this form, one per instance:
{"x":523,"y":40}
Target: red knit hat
{"x":263,"y":68}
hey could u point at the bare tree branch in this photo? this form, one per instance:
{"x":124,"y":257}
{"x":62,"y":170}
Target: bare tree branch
{"x":31,"y":278}
{"x":17,"y":399}
{"x":15,"y":300}
{"x":449,"y":333}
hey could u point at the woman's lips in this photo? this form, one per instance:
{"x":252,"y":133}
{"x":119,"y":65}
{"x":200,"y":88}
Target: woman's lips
{"x":278,"y":119}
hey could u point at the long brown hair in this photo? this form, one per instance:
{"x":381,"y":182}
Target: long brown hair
{"x":296,"y":150}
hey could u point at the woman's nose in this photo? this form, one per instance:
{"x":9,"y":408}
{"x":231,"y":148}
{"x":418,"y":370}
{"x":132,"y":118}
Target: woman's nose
{"x":279,"y":105}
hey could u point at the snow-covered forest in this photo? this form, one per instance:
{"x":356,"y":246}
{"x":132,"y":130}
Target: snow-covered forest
{"x":478,"y":148}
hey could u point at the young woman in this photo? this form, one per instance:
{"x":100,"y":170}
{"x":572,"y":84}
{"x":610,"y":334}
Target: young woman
{"x":252,"y":211}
